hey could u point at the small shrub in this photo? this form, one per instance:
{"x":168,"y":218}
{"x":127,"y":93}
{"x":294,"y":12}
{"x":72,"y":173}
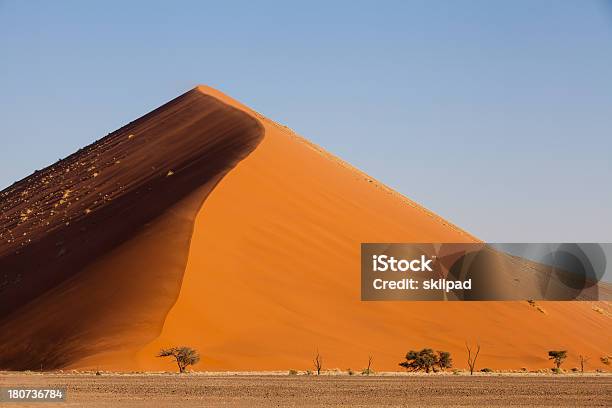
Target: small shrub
{"x":367,"y":371}
{"x":292,"y":372}
{"x":486,"y":370}
{"x":575,"y":369}
{"x":605,"y":360}
{"x":556,"y":370}
{"x":524,"y":369}
{"x":456,"y":372}
{"x":350,"y":372}
{"x":308,"y":372}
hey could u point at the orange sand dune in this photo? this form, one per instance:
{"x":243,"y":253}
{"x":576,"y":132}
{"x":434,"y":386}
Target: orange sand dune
{"x":272,"y":275}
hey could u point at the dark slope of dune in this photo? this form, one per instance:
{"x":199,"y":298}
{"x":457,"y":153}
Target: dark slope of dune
{"x":64,"y":219}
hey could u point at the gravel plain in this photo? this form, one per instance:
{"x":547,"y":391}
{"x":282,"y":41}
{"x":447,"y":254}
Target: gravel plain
{"x":171,"y":390}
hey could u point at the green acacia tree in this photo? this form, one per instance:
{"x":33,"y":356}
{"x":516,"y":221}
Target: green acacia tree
{"x":444,"y":360}
{"x":184,"y":356}
{"x":558,"y":356}
{"x":426,"y":359}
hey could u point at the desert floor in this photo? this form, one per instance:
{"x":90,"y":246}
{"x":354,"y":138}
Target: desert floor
{"x":171,"y":390}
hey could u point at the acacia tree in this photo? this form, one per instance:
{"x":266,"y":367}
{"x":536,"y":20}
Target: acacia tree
{"x":184,"y":356}
{"x":426,"y":359}
{"x":472,"y":359}
{"x":558,"y":356}
{"x":444,"y":360}
{"x":318,"y":362}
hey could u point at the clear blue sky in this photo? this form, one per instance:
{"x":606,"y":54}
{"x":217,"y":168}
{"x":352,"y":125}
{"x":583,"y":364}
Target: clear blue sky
{"x":497,"y":115}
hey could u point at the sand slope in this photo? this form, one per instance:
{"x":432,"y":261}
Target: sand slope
{"x":277,"y":277}
{"x":272,"y":275}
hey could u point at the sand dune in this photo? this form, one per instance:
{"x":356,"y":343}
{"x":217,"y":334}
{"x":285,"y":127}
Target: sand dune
{"x":240,"y":238}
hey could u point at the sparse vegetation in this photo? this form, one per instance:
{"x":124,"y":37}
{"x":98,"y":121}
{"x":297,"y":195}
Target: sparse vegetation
{"x":605,"y":360}
{"x":350,"y":371}
{"x":184,"y":356}
{"x":472,"y":358}
{"x":318,"y":362}
{"x":556,"y":370}
{"x":444,"y":360}
{"x":533,"y":304}
{"x":558,"y":356}
{"x":583,"y":361}
{"x":368,"y":370}
{"x":426,"y":360}
{"x":486,"y":370}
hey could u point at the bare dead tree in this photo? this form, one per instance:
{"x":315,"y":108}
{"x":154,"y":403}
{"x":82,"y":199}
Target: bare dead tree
{"x":583,"y":361}
{"x":318,"y":362}
{"x":369,"y":369}
{"x":472,"y":359}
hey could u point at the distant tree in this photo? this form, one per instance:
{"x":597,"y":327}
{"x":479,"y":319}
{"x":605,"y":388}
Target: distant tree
{"x":368,"y":370}
{"x":444,"y":360}
{"x":583,"y":361}
{"x":472,"y":358}
{"x":318,"y":362}
{"x":184,"y":356}
{"x":419,"y":360}
{"x":558,"y":356}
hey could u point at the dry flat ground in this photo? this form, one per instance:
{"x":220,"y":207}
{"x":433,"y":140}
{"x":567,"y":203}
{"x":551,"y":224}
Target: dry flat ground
{"x":167,"y":390}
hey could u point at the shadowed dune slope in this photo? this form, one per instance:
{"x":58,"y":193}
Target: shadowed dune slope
{"x":270,"y":274}
{"x":94,"y":247}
